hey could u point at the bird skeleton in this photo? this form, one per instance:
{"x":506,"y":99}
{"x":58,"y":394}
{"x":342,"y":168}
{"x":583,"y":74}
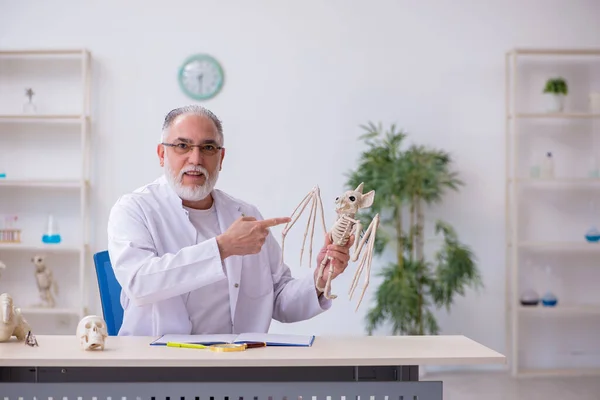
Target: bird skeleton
{"x":345,"y":226}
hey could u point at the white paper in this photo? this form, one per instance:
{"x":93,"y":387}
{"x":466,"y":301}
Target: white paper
{"x":272,"y":339}
{"x":276,"y":339}
{"x":196,"y":339}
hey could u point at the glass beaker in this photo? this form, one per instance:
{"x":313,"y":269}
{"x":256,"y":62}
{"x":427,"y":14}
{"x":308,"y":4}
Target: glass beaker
{"x":52,"y":235}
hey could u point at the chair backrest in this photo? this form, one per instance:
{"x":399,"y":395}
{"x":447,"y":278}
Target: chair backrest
{"x":110,"y":293}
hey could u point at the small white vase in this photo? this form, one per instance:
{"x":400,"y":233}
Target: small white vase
{"x":554,"y":102}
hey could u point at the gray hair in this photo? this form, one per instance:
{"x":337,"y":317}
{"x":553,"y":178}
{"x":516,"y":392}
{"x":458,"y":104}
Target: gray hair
{"x":194,"y":110}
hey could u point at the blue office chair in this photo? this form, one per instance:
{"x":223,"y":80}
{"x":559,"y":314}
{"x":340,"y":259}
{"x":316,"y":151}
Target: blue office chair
{"x":110,"y":293}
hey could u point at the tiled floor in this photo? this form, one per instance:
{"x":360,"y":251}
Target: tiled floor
{"x":501,"y":386}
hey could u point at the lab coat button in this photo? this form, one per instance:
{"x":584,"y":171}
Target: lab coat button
{"x":237,"y":285}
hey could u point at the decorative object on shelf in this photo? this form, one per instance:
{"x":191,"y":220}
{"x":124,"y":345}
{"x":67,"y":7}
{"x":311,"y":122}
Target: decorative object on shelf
{"x":345,"y":225}
{"x":592,"y":235}
{"x":595,"y":102}
{"x":45,"y":282}
{"x":549,"y":298}
{"x":201,"y":77}
{"x":52,"y":235}
{"x":9,"y":233}
{"x":530,"y":298}
{"x":12,"y":323}
{"x":29,"y":107}
{"x":2,"y":267}
{"x":556,"y":90}
{"x":547,"y":169}
{"x":92,"y":332}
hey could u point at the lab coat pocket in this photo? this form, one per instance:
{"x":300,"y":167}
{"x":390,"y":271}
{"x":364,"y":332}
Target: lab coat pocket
{"x":256,"y":277}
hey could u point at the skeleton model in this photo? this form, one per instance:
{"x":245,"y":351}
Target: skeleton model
{"x":12,"y":322}
{"x":346,"y":225}
{"x":92,"y":332}
{"x":45,"y":282}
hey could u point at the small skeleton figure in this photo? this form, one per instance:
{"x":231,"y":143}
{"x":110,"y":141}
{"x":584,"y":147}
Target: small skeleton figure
{"x":45,"y":282}
{"x":12,"y":322}
{"x":346,"y":225}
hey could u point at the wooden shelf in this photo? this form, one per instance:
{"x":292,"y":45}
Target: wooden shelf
{"x":564,"y":115}
{"x":44,"y":52}
{"x":556,"y":51}
{"x":560,"y":310}
{"x":47,"y":248}
{"x":58,"y":184}
{"x":557,"y":181}
{"x":48,"y":311}
{"x":42,"y":118}
{"x":539,"y":373}
{"x":561,"y":246}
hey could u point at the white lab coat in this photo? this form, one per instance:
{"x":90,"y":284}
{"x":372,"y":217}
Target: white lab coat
{"x":153,"y":251}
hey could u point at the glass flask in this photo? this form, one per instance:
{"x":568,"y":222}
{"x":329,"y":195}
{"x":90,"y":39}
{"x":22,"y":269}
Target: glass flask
{"x":549,"y":298}
{"x":52,"y":235}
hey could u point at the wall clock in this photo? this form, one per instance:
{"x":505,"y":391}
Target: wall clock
{"x":201,"y":77}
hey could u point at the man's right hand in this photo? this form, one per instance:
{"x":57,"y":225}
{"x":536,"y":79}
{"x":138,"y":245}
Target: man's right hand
{"x":246,"y":236}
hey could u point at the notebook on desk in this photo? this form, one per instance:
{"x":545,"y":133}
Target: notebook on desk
{"x":271,"y":339}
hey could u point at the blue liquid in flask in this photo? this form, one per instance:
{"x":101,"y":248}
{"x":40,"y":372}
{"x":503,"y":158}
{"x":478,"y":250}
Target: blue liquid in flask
{"x":549,"y":300}
{"x":51,"y":239}
{"x":52,"y":235}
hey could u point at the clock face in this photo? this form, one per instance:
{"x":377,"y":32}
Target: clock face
{"x":201,"y":77}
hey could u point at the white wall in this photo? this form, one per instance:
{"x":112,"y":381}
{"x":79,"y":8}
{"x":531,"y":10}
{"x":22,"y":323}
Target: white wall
{"x":300,"y":78}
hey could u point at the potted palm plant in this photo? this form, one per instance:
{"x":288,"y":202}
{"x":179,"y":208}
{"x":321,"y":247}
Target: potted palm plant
{"x":405,"y":183}
{"x":556,"y":90}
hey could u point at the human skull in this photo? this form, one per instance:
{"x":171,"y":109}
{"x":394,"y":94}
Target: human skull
{"x":92,"y":332}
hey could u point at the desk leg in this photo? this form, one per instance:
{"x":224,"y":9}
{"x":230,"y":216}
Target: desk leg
{"x":360,"y":390}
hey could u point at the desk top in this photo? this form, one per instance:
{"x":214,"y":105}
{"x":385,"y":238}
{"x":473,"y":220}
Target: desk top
{"x":128,"y":351}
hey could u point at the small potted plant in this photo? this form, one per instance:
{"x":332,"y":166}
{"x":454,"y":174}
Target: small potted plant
{"x":556,"y":90}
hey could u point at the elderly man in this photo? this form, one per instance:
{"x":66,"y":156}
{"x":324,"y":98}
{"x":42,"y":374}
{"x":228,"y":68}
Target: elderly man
{"x":192,"y":259}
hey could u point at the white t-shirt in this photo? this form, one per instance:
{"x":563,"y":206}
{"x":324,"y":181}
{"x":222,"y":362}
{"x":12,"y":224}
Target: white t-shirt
{"x":209,"y":305}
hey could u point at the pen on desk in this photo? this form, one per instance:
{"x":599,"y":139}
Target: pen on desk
{"x":254,"y":345}
{"x":186,"y":345}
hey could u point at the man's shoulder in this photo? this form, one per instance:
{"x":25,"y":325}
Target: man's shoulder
{"x":148,"y":193}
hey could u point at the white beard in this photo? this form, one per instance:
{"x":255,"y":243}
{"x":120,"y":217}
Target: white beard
{"x":191,"y":193}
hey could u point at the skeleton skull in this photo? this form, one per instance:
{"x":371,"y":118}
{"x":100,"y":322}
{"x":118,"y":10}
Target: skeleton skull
{"x":92,"y":332}
{"x":349,"y":202}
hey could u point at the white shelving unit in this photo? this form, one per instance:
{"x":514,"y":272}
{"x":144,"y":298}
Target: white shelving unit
{"x":45,"y":154}
{"x":547,"y":218}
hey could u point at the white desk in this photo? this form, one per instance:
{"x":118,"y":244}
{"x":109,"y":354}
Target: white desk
{"x":334,"y":366}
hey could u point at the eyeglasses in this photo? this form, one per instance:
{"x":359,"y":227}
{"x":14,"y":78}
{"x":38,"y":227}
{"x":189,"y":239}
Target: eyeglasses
{"x":208,"y":149}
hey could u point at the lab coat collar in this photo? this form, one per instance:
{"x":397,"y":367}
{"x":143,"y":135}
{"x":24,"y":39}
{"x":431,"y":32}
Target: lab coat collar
{"x":228,"y":210}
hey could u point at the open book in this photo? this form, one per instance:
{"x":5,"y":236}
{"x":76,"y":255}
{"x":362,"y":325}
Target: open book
{"x":271,"y":339}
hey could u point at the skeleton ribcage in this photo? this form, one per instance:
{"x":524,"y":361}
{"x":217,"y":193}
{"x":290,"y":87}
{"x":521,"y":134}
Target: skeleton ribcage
{"x":341,"y":230}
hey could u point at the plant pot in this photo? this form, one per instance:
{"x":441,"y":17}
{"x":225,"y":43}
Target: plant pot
{"x":555,"y":102}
